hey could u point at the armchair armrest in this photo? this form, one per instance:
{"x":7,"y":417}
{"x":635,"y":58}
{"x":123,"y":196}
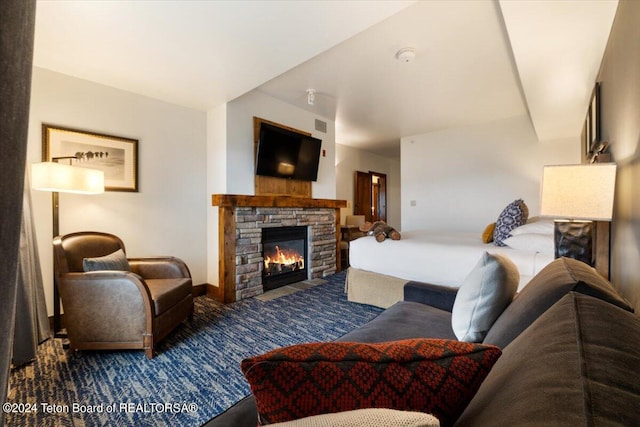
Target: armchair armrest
{"x":441,"y":297}
{"x":106,"y":306}
{"x":160,"y":268}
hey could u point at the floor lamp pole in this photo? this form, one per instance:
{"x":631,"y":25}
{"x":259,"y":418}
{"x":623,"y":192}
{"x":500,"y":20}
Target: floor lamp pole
{"x":57,"y":324}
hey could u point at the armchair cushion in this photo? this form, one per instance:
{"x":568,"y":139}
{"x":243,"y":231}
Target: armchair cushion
{"x":113,"y":261}
{"x":165,"y":292}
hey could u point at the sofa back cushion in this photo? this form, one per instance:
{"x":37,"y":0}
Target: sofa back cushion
{"x":545,"y":289}
{"x":577,"y":365}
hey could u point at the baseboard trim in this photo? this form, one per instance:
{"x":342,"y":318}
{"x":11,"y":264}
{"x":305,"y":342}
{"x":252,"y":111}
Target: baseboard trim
{"x":200,"y":290}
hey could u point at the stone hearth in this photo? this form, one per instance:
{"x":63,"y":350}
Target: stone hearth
{"x":241,"y":220}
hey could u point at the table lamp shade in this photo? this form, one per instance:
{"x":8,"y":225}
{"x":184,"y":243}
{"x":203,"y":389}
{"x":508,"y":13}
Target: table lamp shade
{"x":578,"y":191}
{"x":51,"y":176}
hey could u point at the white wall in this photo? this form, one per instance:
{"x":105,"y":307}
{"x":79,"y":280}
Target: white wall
{"x":230,"y":140}
{"x":216,"y":182}
{"x":168,"y":214}
{"x":240,"y":176}
{"x":620,"y":109}
{"x":462,"y":178}
{"x":349,"y":160}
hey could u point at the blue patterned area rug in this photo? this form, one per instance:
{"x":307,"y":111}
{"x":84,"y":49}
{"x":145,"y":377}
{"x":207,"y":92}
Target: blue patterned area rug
{"x":196,"y":373}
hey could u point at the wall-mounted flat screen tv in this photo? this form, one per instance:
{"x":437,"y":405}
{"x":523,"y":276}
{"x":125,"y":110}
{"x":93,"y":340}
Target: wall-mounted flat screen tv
{"x":286,"y":154}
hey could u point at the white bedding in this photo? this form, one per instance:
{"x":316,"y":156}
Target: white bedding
{"x":437,"y":257}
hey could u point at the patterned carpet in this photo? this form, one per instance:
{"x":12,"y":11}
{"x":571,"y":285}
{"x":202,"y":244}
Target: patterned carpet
{"x":196,"y":373}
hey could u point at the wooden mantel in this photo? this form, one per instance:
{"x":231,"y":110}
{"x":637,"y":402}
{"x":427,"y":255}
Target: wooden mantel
{"x":227,"y":204}
{"x":237,"y":201}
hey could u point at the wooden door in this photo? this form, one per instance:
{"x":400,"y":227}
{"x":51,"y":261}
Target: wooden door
{"x":371,"y":196}
{"x":380,"y":201}
{"x":362,"y":203}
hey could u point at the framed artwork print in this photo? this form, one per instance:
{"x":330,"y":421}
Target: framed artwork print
{"x":116,"y":156}
{"x":592,"y":122}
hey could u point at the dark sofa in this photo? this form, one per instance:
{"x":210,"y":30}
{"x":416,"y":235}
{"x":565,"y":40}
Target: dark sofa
{"x":571,"y":352}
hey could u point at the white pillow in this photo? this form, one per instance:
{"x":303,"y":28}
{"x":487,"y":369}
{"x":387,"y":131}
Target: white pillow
{"x":533,"y":242}
{"x":373,"y":417}
{"x":483,"y":296}
{"x":542,"y":226}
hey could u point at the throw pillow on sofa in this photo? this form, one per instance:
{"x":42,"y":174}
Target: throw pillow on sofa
{"x":433,"y":376}
{"x":483,"y":296}
{"x":371,"y":417}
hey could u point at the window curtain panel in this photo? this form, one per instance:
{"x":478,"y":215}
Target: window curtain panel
{"x":17,"y":23}
{"x":31,"y":321}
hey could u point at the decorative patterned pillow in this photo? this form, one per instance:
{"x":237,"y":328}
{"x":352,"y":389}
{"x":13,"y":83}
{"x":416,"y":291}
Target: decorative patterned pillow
{"x":114,"y":261}
{"x":514,"y":215}
{"x":434,"y":376}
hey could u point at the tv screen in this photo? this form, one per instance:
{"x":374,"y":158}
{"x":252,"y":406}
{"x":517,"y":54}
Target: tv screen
{"x":286,"y":154}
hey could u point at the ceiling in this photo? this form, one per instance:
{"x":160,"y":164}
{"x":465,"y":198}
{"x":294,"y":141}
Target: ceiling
{"x":476,"y":61}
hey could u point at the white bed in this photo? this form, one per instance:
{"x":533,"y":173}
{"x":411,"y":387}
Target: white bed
{"x":427,"y":256}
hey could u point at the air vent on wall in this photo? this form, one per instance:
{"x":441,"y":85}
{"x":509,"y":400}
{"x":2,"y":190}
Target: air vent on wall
{"x":321,"y":126}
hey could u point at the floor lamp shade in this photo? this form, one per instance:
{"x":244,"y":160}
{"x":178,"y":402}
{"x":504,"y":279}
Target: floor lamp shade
{"x":52,"y":176}
{"x":60,"y":178}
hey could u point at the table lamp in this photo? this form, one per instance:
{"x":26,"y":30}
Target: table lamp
{"x":577,"y":195}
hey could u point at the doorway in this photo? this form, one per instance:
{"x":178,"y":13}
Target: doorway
{"x":371,"y":196}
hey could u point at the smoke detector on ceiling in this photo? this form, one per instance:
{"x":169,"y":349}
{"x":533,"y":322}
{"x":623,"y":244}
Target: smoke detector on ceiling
{"x":406,"y":54}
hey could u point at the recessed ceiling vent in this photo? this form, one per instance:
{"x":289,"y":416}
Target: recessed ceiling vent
{"x":321,"y":126}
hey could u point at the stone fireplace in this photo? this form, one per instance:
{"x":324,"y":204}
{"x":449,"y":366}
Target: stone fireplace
{"x":243,"y":221}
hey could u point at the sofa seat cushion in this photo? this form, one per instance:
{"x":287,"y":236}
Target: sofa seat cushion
{"x":432,"y":376}
{"x":545,"y":289}
{"x":168,"y":292}
{"x":577,"y":365}
{"x":404,"y":320}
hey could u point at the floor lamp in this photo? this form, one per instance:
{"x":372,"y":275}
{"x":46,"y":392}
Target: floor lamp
{"x":577,"y":195}
{"x":60,"y":178}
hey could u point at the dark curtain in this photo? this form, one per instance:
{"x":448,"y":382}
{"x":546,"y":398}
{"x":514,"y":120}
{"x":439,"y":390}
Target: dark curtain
{"x":32,"y":322}
{"x":17,"y":22}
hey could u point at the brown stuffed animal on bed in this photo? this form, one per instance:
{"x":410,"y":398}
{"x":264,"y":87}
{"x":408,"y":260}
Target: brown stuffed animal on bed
{"x":380,"y":230}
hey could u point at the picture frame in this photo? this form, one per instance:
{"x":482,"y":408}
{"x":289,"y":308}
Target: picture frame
{"x":592,"y":123}
{"x":115,"y":155}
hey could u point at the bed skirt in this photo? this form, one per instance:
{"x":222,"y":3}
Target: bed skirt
{"x":375,"y":289}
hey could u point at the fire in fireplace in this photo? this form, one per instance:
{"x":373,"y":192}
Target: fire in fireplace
{"x":284,"y":250}
{"x":278,"y":261}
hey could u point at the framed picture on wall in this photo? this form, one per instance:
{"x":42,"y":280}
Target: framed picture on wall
{"x":591,"y":133}
{"x":116,"y":156}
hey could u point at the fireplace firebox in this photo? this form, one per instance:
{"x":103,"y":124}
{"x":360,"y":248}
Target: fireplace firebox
{"x":284,"y":250}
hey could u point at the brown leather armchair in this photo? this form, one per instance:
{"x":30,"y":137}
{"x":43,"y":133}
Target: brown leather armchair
{"x":119,"y":309}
